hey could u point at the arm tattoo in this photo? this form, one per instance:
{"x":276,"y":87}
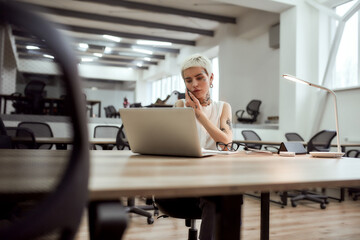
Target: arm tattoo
{"x":223,"y":129}
{"x":228,"y":122}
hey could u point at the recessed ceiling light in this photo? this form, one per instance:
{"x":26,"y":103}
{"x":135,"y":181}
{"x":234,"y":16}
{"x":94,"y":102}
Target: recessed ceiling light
{"x":139,"y":64}
{"x":147,"y":59}
{"x":142,"y":50}
{"x":48,"y":56}
{"x":112,"y":38}
{"x":153,"y":43}
{"x":87,"y":59}
{"x":98,"y":54}
{"x":32,"y":47}
{"x":83,"y":46}
{"x":107,"y":50}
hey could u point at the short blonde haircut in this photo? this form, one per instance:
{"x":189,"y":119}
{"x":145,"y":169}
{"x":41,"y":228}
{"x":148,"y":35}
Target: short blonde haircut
{"x":197,"y":60}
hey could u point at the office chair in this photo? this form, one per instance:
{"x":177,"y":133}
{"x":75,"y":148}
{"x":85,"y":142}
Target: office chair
{"x":59,"y":211}
{"x":293,"y":137}
{"x":121,"y":144}
{"x":5,"y":140}
{"x":121,"y":140}
{"x":252,"y":135}
{"x":40,"y":130}
{"x":17,"y":103}
{"x":320,"y":142}
{"x":25,"y":134}
{"x":252,"y":109}
{"x":113,"y":112}
{"x":183,"y":208}
{"x":107,"y":112}
{"x":105,"y":131}
{"x":353,"y":153}
{"x":34,"y":91}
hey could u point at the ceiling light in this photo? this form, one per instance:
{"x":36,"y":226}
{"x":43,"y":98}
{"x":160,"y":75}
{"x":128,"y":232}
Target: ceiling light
{"x":98,"y":54}
{"x":147,"y":59}
{"x":153,"y":43}
{"x":139,"y":64}
{"x":83,"y":46}
{"x":48,"y":56}
{"x":107,"y":50}
{"x":142,"y":50}
{"x":32,"y":47}
{"x":87,"y":59}
{"x":112,"y":38}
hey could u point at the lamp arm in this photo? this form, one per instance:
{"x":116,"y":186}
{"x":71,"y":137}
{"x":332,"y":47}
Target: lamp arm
{"x":336,"y":113}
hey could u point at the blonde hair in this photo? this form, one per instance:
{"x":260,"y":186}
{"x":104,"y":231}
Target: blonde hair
{"x":197,"y":60}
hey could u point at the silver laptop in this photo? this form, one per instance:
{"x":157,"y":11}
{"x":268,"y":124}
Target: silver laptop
{"x":162,"y":131}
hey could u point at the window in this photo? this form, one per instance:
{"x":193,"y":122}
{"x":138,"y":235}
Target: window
{"x":346,"y":67}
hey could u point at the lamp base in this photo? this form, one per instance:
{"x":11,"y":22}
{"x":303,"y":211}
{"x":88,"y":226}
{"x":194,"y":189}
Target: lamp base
{"x":327,"y":154}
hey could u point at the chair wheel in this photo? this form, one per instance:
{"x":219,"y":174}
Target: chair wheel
{"x":326,"y":201}
{"x":150,"y":220}
{"x":322,"y":205}
{"x":293,"y":204}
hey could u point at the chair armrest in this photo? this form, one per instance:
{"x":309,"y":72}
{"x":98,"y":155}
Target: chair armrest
{"x":356,"y":153}
{"x":241,"y":112}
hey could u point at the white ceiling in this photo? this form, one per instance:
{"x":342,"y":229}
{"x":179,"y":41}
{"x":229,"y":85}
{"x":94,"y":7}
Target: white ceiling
{"x":181,"y":22}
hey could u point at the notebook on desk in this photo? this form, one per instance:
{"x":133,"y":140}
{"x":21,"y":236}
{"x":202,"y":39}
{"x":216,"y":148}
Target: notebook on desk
{"x":163,"y":131}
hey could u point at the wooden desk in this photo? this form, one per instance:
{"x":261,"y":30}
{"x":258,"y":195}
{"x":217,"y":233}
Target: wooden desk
{"x":121,"y":173}
{"x":343,"y":145}
{"x":62,"y":142}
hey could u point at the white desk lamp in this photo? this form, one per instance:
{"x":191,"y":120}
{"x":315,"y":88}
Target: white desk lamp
{"x":322,"y":154}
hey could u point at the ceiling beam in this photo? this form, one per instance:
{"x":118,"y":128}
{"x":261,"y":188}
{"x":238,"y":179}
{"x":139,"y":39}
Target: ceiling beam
{"x":125,"y":21}
{"x":92,"y":43}
{"x":124,"y":34}
{"x":165,"y":10}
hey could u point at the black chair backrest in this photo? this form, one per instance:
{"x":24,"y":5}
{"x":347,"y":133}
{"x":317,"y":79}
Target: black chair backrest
{"x":121,"y":140}
{"x":253,"y":108}
{"x":105,"y":131}
{"x":5,"y":140}
{"x":34,"y":88}
{"x":251,"y":135}
{"x":40,"y":130}
{"x":113,"y":112}
{"x":58,"y":212}
{"x":293,"y":137}
{"x":321,"y":141}
{"x":107,"y":112}
{"x":26,"y":137}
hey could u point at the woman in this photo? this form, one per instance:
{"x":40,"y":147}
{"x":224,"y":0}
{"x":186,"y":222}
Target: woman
{"x":213,"y":119}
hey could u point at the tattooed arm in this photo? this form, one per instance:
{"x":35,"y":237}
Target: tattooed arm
{"x":224,"y":134}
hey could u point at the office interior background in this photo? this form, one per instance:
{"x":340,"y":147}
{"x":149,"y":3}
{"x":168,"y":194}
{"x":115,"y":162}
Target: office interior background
{"x":311,"y":39}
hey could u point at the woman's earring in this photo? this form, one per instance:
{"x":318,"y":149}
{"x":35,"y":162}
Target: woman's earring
{"x":211,"y":85}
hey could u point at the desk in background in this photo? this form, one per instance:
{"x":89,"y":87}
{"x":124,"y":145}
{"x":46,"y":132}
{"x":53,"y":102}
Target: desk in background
{"x":118,"y":173}
{"x":51,"y":104}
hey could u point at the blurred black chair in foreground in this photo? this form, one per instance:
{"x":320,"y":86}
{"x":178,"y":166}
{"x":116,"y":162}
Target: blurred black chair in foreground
{"x":57,"y":213}
{"x":252,"y":109}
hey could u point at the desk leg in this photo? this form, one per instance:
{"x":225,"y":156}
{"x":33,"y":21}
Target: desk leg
{"x":265,"y":216}
{"x":228,"y":217}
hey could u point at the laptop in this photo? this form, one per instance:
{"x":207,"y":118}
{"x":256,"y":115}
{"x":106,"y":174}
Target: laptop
{"x":163,"y":131}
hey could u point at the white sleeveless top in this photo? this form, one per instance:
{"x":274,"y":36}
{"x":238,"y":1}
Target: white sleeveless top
{"x":213,"y":112}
